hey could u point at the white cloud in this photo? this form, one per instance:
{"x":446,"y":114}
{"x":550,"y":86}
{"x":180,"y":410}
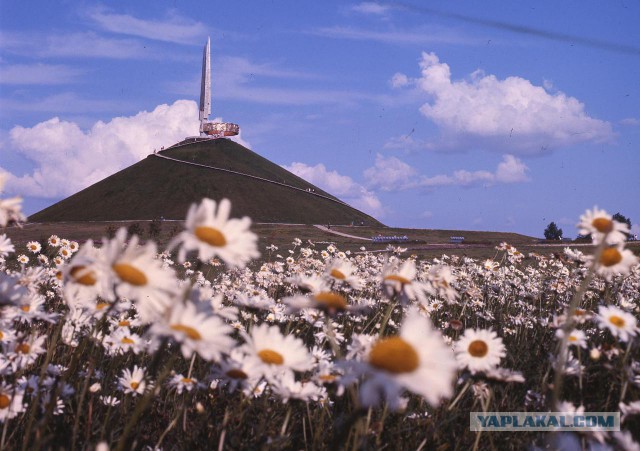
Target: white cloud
{"x":65,"y":102}
{"x":174,"y":28}
{"x":341,"y":186}
{"x":422,"y":36}
{"x":399,"y":80}
{"x":504,"y":114}
{"x":511,"y":170}
{"x":239,"y":78}
{"x":68,"y":159}
{"x":371,"y":8}
{"x":74,"y":45}
{"x":38,"y":74}
{"x":407,"y":143}
{"x":631,"y":121}
{"x":392,"y":174}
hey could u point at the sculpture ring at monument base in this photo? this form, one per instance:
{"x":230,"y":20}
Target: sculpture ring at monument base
{"x":220,"y":128}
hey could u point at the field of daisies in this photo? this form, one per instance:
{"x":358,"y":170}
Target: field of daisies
{"x":126,"y":346}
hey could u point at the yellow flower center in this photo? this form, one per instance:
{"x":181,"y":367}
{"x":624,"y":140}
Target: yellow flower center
{"x":135,"y":385}
{"x":237,"y":374}
{"x":127,"y":341}
{"x":82,"y":276}
{"x":124,"y":323}
{"x":1,"y":335}
{"x":5,"y":401}
{"x":102,"y":305}
{"x":211,"y":236}
{"x":23,"y":348}
{"x":610,"y":256}
{"x":34,"y":247}
{"x":603,"y":225}
{"x":327,"y":377}
{"x":186,"y":380}
{"x":397,"y":278}
{"x":331,"y":301}
{"x":617,"y":321}
{"x":25,"y":308}
{"x":271,"y":357}
{"x":130,"y":274}
{"x":338,"y":274}
{"x":59,"y":275}
{"x":478,"y":348}
{"x":573,"y":338}
{"x":188,"y":331}
{"x":394,"y":355}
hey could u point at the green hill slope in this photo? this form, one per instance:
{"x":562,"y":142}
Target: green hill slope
{"x":159,"y":187}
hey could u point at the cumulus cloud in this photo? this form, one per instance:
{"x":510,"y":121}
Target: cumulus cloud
{"x":341,"y":186}
{"x":392,"y":174}
{"x":67,"y":158}
{"x":504,"y":114}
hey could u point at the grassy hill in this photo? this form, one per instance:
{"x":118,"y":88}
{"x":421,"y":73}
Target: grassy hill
{"x":157,"y":187}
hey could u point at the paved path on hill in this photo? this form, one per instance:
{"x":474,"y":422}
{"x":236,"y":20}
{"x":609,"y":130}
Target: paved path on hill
{"x":337,"y":201}
{"x":325,"y":229}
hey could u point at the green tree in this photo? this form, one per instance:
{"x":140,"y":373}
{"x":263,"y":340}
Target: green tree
{"x":552,"y":232}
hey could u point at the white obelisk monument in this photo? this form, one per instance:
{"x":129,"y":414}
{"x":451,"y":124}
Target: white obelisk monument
{"x":211,"y":129}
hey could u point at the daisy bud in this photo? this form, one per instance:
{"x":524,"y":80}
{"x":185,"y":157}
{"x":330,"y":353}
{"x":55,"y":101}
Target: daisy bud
{"x":595,"y":354}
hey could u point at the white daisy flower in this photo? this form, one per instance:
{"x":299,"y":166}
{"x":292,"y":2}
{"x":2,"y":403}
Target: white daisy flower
{"x":195,"y":331}
{"x":479,"y":350}
{"x":23,"y":259}
{"x":182,"y":383}
{"x":133,"y":381}
{"x":403,"y":282}
{"x":65,"y":252}
{"x":110,"y":400}
{"x":576,"y":337}
{"x":123,"y":340}
{"x":274,"y":352}
{"x":10,"y":209}
{"x":139,"y":276}
{"x":211,"y":233}
{"x":10,"y":401}
{"x":54,"y":241}
{"x":34,"y":247}
{"x":600,"y":225}
{"x":417,"y":360}
{"x":620,"y":323}
{"x":6,"y":247}
{"x":286,"y":387}
{"x":343,"y":271}
{"x":85,"y":277}
{"x":237,"y":371}
{"x":615,"y":260}
{"x":25,"y":352}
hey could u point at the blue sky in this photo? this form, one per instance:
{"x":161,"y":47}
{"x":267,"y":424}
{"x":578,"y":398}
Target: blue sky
{"x":484,"y":116}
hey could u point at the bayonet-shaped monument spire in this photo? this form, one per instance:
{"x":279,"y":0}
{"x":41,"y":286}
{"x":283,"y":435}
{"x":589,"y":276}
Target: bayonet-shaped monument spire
{"x":205,"y":86}
{"x":207,"y":128}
